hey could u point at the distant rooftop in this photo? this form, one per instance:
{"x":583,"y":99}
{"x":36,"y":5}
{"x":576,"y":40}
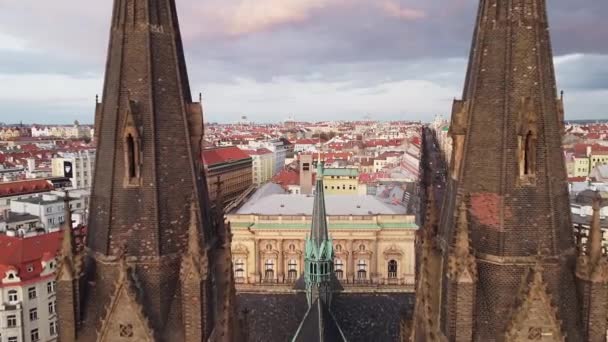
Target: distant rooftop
{"x":341,"y":172}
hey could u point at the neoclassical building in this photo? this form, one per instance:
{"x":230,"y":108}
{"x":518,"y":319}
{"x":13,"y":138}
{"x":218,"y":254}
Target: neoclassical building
{"x":373,"y":241}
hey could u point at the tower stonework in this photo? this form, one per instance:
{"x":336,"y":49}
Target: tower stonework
{"x":151,"y":238}
{"x":503,"y":262}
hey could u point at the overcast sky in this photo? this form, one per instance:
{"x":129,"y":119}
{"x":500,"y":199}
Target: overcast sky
{"x":272,"y":59}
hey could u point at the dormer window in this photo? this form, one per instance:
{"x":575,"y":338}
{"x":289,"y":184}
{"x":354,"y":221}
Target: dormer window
{"x":30,"y":268}
{"x":11,"y":276}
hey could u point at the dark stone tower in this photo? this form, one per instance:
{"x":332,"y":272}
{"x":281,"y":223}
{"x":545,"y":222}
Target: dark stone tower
{"x":150,"y":216}
{"x":503,"y":266}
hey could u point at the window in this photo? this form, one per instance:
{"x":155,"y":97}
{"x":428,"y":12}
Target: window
{"x":362,"y":247}
{"x":49,"y":209}
{"x":239,"y":268}
{"x":339,"y":248}
{"x":339,"y":268}
{"x":362,"y":269}
{"x":51,"y":307}
{"x":392,"y":269}
{"x":34,"y":335}
{"x":31,"y":293}
{"x":33,"y":314}
{"x":12,"y":296}
{"x":292,"y":269}
{"x":50,"y":286}
{"x":269,"y":273}
{"x":528,"y":155}
{"x":12,"y":339}
{"x":30,"y":268}
{"x":268,"y":247}
{"x":11,"y":321}
{"x":292,"y":247}
{"x":53,"y":328}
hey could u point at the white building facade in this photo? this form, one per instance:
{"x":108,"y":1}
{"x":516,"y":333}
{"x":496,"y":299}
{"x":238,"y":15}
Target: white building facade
{"x":27,"y":291}
{"x":82,"y":166}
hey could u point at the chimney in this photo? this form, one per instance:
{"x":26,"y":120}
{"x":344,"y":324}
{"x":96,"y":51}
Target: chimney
{"x":306,"y":174}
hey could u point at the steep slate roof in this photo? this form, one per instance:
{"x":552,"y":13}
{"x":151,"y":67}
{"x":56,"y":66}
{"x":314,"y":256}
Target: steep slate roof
{"x":319,"y":324}
{"x":362,"y":317}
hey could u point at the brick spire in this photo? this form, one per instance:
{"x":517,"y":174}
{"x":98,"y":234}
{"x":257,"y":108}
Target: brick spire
{"x":149,"y":166}
{"x":508,"y":163}
{"x":147,"y":177}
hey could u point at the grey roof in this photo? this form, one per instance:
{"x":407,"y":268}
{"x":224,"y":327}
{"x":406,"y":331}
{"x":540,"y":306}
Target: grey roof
{"x":289,"y":204}
{"x":40,"y":200}
{"x":19,"y":217}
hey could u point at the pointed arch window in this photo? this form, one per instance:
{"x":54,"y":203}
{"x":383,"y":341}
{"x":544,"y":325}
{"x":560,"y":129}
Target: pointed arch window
{"x":132,"y":158}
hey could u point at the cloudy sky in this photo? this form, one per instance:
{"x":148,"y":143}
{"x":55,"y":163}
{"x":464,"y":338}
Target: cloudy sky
{"x":272,"y":59}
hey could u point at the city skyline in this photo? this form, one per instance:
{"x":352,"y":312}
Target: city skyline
{"x":311,"y":59}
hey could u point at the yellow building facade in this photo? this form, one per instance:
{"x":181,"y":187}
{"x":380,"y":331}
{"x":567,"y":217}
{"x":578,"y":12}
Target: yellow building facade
{"x":341,"y":181}
{"x":370,"y":250}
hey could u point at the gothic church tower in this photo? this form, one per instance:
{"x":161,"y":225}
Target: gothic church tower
{"x":153,"y":252}
{"x":503,"y":262}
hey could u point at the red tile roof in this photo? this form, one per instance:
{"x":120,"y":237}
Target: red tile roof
{"x":25,"y":187}
{"x":20,"y":253}
{"x":220,"y":155}
{"x":258,"y":152}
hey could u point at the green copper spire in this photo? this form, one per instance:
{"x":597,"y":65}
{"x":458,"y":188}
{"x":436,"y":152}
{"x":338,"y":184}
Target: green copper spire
{"x":319,"y":249}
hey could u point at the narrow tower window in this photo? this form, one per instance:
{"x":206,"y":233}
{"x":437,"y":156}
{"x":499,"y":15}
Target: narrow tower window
{"x":529,"y":150}
{"x":131,"y":156}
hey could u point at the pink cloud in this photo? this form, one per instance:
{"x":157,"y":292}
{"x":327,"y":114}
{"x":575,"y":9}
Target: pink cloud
{"x":395,"y":9}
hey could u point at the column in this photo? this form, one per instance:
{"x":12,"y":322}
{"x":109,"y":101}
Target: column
{"x":259,"y":262}
{"x":374,"y":268}
{"x":350,"y":265}
{"x":280,"y":262}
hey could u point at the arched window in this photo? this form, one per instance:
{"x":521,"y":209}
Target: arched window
{"x":339,"y":248}
{"x":269,"y":273}
{"x":392,"y":269}
{"x":339,"y":268}
{"x":268,"y":247}
{"x":131,"y":156}
{"x":12,"y":296}
{"x":362,"y":269}
{"x":239,"y":268}
{"x":292,"y":270}
{"x":362,"y":247}
{"x":292,"y":247}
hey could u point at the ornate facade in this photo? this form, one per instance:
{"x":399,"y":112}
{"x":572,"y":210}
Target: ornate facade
{"x":500,"y":264}
{"x":369,"y":250}
{"x":157,"y":265}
